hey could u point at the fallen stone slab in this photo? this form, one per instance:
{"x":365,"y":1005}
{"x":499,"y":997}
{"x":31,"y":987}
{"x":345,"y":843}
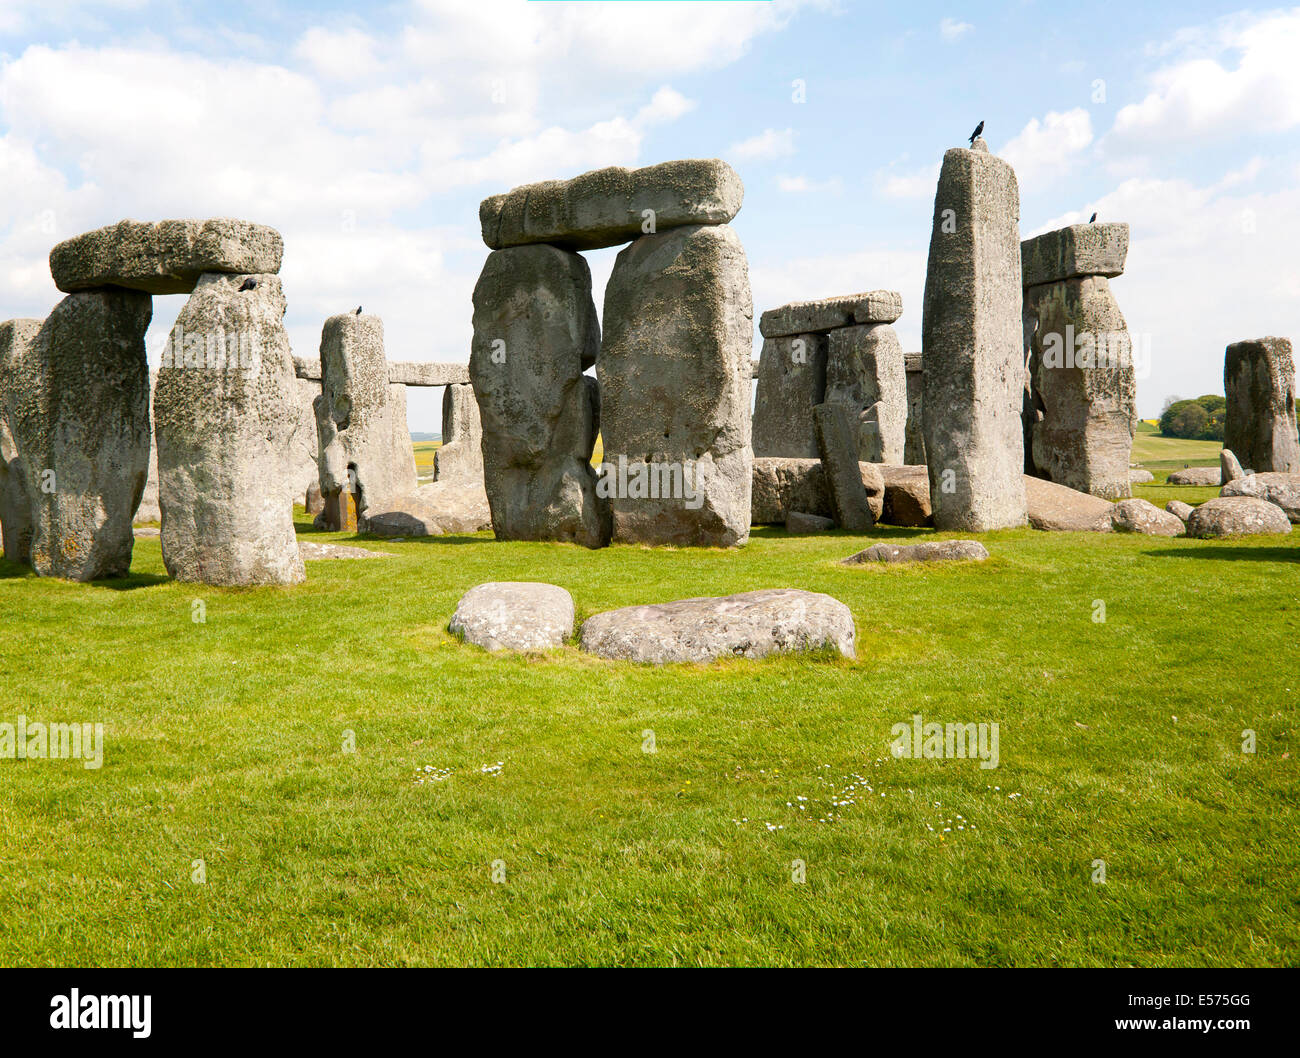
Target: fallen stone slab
{"x":440,"y":508}
{"x":1142,"y":516}
{"x":1059,"y":508}
{"x":1280,"y":489}
{"x":1202,"y":476}
{"x":611,"y":206}
{"x":1181,"y":511}
{"x":1229,"y":467}
{"x":166,"y":257}
{"x":837,"y":440}
{"x":907,"y":496}
{"x":1140,"y":477}
{"x":930,"y":551}
{"x":749,"y":625}
{"x":1074,"y":251}
{"x":514,"y":615}
{"x":312,"y":550}
{"x":801,"y":522}
{"x":825,"y":314}
{"x":1236,"y":516}
{"x":784,"y":485}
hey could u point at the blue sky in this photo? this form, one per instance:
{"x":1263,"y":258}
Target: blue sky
{"x":368,"y":135}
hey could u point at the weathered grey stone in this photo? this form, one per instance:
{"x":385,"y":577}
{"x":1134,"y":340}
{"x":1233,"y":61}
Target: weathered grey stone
{"x":826,"y":314}
{"x":1084,"y":386}
{"x":907,"y":496}
{"x":611,"y":206}
{"x":304,"y":445}
{"x":1229,"y":468}
{"x":802,"y":522}
{"x":973,"y":362}
{"x":783,"y":485}
{"x":223,"y":431}
{"x":1201,"y":476}
{"x":362,"y":437}
{"x":79,"y":415}
{"x":1236,"y":516}
{"x":460,"y":456}
{"x":929,"y":551}
{"x":864,"y":369}
{"x":836,"y":438}
{"x":514,"y":615}
{"x":675,"y":386}
{"x":1142,"y":516}
{"x":16,"y":337}
{"x":791,"y":382}
{"x":439,"y":508}
{"x":313,"y":502}
{"x":1179,"y":510}
{"x":750,"y":625}
{"x":535,"y":332}
{"x":432,"y":375}
{"x":1058,"y":508}
{"x":1074,"y":251}
{"x":1140,"y":477}
{"x":166,"y":257}
{"x":914,"y":437}
{"x":1282,"y":490}
{"x":1260,"y":420}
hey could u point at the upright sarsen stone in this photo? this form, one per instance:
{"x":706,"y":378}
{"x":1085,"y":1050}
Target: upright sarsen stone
{"x":675,"y":378}
{"x":1260,"y":420}
{"x":15,"y":503}
{"x":535,"y":332}
{"x":79,"y":416}
{"x":914,"y":437}
{"x":865,"y":367}
{"x":223,"y":420}
{"x":791,"y":382}
{"x":460,"y":456}
{"x":973,"y":361}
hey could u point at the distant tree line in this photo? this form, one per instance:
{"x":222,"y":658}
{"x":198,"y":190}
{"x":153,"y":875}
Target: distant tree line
{"x":1198,"y":420}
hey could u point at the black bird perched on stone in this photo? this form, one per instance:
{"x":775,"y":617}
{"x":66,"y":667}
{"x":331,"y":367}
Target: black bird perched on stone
{"x":358,"y":312}
{"x":249,"y":284}
{"x":1092,"y":219}
{"x":976,"y":134}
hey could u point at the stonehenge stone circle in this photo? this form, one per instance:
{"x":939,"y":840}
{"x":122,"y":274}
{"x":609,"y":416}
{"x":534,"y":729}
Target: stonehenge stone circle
{"x":611,"y":206}
{"x":364,"y":444}
{"x":223,"y":427}
{"x":972,"y":357}
{"x":749,"y":625}
{"x":675,"y":376}
{"x":16,"y":336}
{"x":1081,"y":414}
{"x":79,"y":415}
{"x":166,"y":257}
{"x":460,"y":457}
{"x":791,"y":382}
{"x":1260,"y":421}
{"x":514,"y":615}
{"x":535,"y":332}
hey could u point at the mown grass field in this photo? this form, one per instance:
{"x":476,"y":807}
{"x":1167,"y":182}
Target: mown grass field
{"x":1119,"y":742}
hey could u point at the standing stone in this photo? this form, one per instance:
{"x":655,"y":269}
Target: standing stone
{"x":1084,"y":386}
{"x":972,"y":335}
{"x":362,"y":437}
{"x":914,"y":437}
{"x":1260,"y":421}
{"x":535,"y":332}
{"x":148,"y":511}
{"x":865,"y":367}
{"x":460,"y":456}
{"x":304,"y":449}
{"x":1229,"y":466}
{"x":80,"y":419}
{"x":675,"y":378}
{"x":791,"y":382}
{"x":223,"y":418}
{"x":16,"y":337}
{"x":837,"y":439}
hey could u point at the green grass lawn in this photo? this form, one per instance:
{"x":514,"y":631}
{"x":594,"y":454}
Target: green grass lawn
{"x":1163,"y":455}
{"x":1119,"y":741}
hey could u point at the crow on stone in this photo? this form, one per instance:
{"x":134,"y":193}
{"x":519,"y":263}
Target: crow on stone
{"x":358,"y":312}
{"x":976,"y":134}
{"x":248,"y":284}
{"x":1092,"y":219}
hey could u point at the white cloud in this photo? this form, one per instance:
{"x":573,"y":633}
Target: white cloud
{"x":770,"y":143}
{"x":917,"y":183}
{"x":1204,"y":94}
{"x":343,"y":55}
{"x":952,"y":30}
{"x":1045,"y":149}
{"x":802,"y":185}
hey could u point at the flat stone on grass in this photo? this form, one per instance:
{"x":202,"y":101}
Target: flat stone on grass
{"x":514,"y":615}
{"x":1236,"y":516}
{"x":930,"y":551}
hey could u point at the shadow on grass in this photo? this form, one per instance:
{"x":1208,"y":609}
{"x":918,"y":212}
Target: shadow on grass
{"x":878,"y":532}
{"x":1232,"y":554}
{"x":17,"y":571}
